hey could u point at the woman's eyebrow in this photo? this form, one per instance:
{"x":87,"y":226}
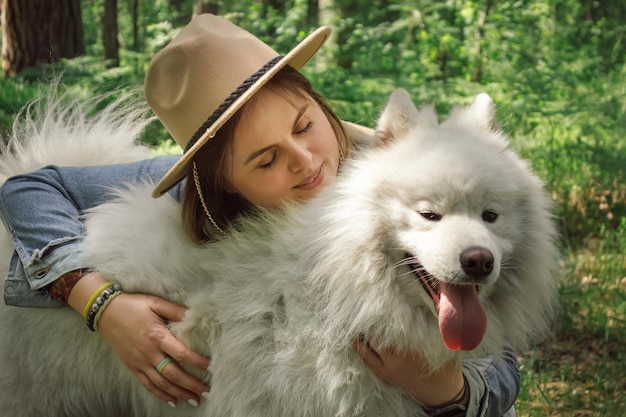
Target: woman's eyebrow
{"x":301,"y":112}
{"x":258,"y":152}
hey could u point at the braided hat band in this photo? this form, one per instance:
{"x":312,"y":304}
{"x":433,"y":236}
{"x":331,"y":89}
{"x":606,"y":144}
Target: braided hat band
{"x":243,"y":87}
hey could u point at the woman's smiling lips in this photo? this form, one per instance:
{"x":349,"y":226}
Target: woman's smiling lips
{"x":313,"y":181}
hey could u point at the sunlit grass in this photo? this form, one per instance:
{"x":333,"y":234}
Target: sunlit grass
{"x":582,"y":371}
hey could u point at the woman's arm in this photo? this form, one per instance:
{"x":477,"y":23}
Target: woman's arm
{"x":493,"y":383}
{"x":41,"y":210}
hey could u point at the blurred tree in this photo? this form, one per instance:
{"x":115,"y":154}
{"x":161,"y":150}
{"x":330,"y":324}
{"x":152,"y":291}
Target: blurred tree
{"x":110,"y":34}
{"x":134,"y":22}
{"x":205,"y":6}
{"x":478,"y":59}
{"x":37,"y":32}
{"x":181,"y":11}
{"x":348,"y":14}
{"x":313,"y":13}
{"x":277,"y":5}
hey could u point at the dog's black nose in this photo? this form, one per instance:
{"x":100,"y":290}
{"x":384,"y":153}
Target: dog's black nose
{"x":477,"y":262}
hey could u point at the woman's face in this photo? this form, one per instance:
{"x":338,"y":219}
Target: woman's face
{"x":284,"y":148}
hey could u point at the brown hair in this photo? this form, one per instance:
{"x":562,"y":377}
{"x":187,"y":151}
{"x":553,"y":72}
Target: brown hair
{"x":225,"y":207}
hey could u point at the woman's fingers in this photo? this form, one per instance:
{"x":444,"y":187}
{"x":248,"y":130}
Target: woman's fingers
{"x":368,"y":355}
{"x":182,"y":355}
{"x":135,"y":326}
{"x":168,"y":385}
{"x":170,"y":344}
{"x":154,"y":390}
{"x":167,"y":310}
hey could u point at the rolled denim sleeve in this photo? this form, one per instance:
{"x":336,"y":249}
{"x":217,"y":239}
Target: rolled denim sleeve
{"x":494,"y":383}
{"x":41,"y":212}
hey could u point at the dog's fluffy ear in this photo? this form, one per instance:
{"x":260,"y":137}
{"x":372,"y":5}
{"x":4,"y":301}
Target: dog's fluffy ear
{"x":481,"y":113}
{"x":400,"y":116}
{"x":484,"y":110}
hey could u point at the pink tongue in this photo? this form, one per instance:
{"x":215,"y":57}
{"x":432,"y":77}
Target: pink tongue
{"x":462,"y":318}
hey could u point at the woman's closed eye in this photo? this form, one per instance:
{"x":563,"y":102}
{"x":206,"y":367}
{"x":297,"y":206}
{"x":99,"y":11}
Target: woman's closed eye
{"x":272,"y":155}
{"x":305,"y":129}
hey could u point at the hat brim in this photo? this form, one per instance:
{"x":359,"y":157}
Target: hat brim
{"x":297,"y":57}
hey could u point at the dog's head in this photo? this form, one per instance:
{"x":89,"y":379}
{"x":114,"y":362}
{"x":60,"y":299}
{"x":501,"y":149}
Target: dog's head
{"x":448,"y":231}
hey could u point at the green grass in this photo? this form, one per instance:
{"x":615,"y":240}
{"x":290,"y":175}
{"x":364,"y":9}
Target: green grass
{"x":581,"y":371}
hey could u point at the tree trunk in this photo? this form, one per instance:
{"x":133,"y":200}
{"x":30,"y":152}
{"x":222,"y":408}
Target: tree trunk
{"x":477,"y":75}
{"x":277,"y":5}
{"x":182,"y":14}
{"x":345,"y":8}
{"x":110,"y":33}
{"x":38,"y":32}
{"x":312,"y":13}
{"x":205,"y":6}
{"x":134,"y":15}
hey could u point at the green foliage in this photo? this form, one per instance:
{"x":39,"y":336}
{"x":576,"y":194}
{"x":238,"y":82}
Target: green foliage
{"x":556,"y":70}
{"x":14,"y":96}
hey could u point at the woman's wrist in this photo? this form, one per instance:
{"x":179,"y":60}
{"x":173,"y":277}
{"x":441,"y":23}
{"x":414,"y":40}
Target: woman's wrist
{"x":62,"y":287}
{"x":456,"y":407}
{"x":84,"y":289}
{"x":440,"y":387}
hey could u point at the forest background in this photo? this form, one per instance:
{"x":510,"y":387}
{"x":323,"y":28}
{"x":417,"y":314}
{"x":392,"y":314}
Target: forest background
{"x":555,"y":68}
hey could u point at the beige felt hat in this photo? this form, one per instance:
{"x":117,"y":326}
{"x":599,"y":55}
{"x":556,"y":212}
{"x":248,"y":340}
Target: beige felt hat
{"x":208,"y":71}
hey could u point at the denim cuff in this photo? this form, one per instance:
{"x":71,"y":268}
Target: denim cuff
{"x":25,"y":286}
{"x":494,"y":383}
{"x":41,"y":272}
{"x":478,"y":388}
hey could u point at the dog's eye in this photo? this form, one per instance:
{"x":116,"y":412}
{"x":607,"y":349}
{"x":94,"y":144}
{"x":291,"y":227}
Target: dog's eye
{"x":490,"y":216}
{"x":429,"y":215}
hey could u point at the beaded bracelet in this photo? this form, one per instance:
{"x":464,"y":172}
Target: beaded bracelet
{"x":104,"y":305}
{"x":97,"y":302}
{"x":93,"y":297}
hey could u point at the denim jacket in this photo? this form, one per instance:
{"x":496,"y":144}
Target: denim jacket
{"x":47,"y":245}
{"x":47,"y":241}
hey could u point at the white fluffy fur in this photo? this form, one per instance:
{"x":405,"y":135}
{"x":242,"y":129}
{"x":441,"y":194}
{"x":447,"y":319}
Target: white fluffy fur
{"x":279,"y":301}
{"x":58,"y":130}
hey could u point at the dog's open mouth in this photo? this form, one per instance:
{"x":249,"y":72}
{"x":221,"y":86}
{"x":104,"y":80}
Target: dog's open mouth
{"x":462,"y":318}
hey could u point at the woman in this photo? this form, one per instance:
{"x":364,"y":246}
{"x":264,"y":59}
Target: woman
{"x":254,"y":134}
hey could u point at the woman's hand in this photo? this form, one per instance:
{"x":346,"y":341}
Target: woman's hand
{"x":135,"y":326}
{"x":409,"y":371}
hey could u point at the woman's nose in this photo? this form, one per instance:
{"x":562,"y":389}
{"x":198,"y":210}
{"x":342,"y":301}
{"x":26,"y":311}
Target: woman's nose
{"x":301,"y":157}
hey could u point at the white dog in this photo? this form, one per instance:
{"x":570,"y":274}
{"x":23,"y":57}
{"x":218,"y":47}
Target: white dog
{"x":439,"y":238}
